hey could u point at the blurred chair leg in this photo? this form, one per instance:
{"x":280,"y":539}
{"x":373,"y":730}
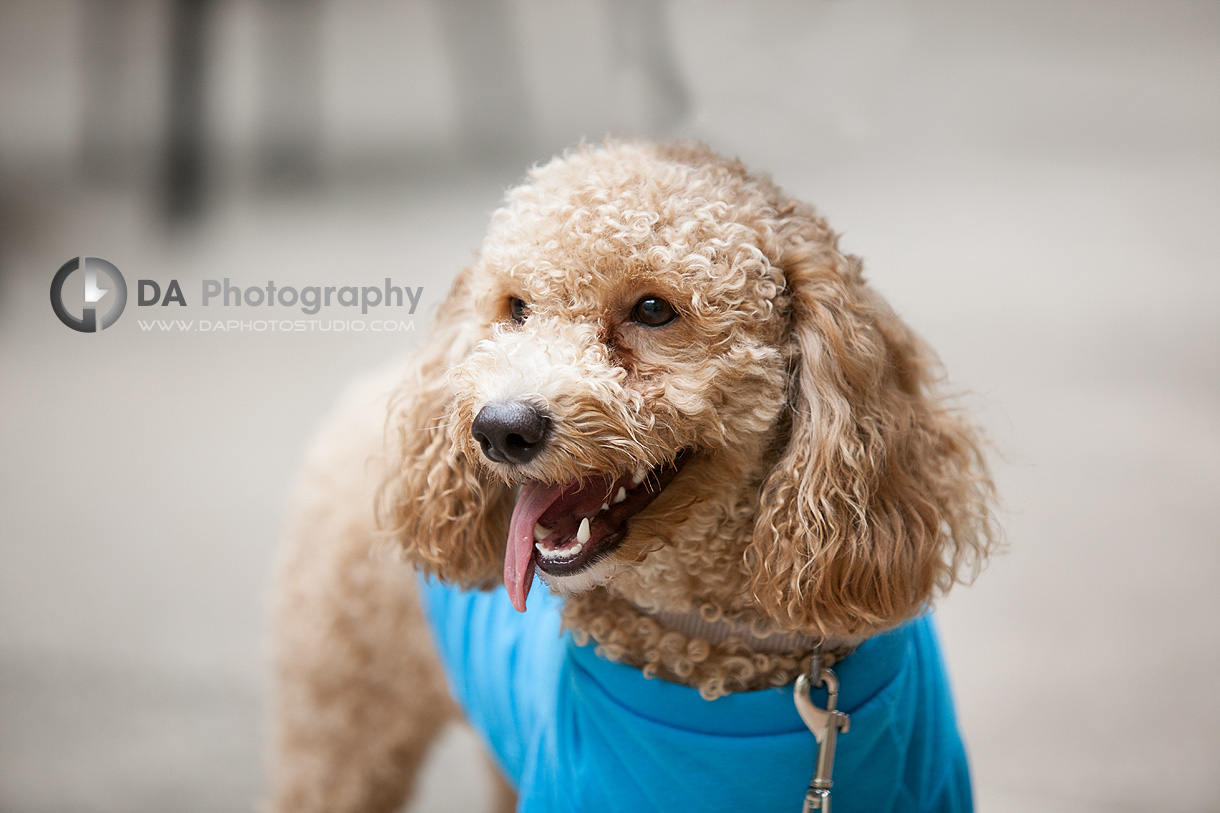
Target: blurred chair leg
{"x":290,"y":108}
{"x":185,"y":158}
{"x":105,"y":127}
{"x":653,"y":92}
{"x":493,"y":110}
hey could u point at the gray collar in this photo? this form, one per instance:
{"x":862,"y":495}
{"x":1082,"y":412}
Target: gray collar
{"x":757,"y":637}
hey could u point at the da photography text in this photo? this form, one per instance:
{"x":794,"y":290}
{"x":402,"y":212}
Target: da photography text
{"x":89,"y":294}
{"x":310,"y":299}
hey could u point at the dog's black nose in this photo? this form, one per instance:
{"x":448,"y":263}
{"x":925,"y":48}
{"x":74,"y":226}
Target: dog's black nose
{"x":510,"y":431}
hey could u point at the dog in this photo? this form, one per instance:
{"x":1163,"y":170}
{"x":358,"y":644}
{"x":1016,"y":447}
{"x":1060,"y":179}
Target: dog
{"x":663,"y":389}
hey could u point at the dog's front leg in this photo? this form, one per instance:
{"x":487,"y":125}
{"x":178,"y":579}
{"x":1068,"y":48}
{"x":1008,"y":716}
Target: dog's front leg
{"x":359,"y":694}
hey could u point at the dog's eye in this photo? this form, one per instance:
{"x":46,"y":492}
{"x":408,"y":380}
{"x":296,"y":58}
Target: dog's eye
{"x":653,"y":311}
{"x":518,"y":310}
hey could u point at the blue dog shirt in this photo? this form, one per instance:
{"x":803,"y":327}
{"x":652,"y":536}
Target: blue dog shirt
{"x":575,"y":732}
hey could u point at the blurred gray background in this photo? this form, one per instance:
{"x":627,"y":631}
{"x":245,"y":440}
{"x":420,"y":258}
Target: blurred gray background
{"x":1034,"y":185}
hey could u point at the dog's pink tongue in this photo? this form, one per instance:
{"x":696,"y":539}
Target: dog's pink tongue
{"x":533,"y":500}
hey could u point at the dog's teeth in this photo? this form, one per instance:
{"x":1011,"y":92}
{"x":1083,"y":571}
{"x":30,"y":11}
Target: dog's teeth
{"x":639,"y":476}
{"x":620,"y":496}
{"x":564,"y":555}
{"x":605,"y":505}
{"x":540,"y":532}
{"x":582,"y":533}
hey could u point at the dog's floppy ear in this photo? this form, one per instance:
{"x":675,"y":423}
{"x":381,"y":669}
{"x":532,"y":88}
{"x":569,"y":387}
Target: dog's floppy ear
{"x":880,"y":495}
{"x":450,"y":519}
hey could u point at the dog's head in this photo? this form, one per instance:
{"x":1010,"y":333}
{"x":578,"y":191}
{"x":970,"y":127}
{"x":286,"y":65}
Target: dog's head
{"x":678,"y":369}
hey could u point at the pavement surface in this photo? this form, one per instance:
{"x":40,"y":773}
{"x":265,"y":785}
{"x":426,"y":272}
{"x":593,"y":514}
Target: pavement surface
{"x":1034,"y":186}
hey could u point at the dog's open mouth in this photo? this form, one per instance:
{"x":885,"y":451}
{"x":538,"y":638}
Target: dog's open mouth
{"x":566,"y":528}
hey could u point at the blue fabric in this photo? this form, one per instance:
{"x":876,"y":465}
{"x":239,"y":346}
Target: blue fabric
{"x":575,"y":732}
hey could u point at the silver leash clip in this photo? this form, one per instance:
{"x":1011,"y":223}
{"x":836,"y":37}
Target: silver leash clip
{"x":825,"y":724}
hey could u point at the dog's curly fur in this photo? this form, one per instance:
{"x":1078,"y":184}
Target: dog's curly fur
{"x":829,"y":491}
